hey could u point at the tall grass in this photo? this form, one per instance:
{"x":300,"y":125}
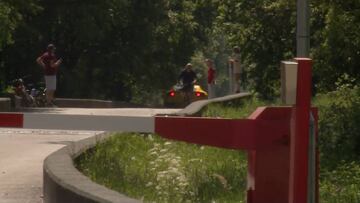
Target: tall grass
{"x":152,"y":169}
{"x":237,"y":110}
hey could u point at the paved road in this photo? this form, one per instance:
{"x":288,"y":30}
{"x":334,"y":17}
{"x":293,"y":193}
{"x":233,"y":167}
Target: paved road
{"x":106,"y":111}
{"x":21,"y":158}
{"x":22,"y":153}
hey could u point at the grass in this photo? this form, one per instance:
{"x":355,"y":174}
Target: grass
{"x":238,"y":110}
{"x":153,"y":169}
{"x":340,"y":185}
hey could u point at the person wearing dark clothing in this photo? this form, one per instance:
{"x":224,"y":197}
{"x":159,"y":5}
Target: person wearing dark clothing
{"x":188,"y":78}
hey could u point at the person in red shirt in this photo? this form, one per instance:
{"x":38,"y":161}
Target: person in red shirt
{"x":211,"y":78}
{"x":50,"y":64}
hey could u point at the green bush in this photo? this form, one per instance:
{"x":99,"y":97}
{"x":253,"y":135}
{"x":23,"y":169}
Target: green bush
{"x":339,"y":142}
{"x":341,"y":185}
{"x":339,"y":129}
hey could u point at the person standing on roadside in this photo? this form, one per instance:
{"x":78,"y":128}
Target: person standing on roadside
{"x":50,"y":64}
{"x":235,"y":61}
{"x":211,"y":78}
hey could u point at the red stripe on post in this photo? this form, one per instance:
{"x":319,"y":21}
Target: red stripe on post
{"x":11,"y":120}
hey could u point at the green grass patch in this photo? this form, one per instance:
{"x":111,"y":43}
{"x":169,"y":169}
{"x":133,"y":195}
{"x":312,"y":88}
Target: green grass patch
{"x":153,"y":169}
{"x":340,"y":185}
{"x":238,"y":110}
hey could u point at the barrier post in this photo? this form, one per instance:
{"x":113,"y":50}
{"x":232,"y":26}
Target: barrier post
{"x":300,"y":134}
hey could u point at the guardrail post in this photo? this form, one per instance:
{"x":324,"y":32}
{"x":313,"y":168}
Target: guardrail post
{"x":300,"y":136}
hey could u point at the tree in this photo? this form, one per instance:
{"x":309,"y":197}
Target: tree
{"x":134,"y":49}
{"x":265,"y":32}
{"x":112,"y":49}
{"x":336,"y":47}
{"x":12,"y":14}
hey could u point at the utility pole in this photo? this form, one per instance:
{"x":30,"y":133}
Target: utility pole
{"x":303,"y":28}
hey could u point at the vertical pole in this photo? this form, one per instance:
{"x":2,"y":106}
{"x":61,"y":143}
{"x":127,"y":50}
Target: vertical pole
{"x":231,"y":78}
{"x":300,"y":132}
{"x":312,"y":162}
{"x":303,"y":28}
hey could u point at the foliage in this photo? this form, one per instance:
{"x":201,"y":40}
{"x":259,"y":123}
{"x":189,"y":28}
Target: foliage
{"x":7,"y":24}
{"x":12,"y":13}
{"x":339,"y":122}
{"x":150,"y":168}
{"x":264,"y":31}
{"x":336,"y":41}
{"x":133,"y":50}
{"x":111,"y":48}
{"x":339,"y":141}
{"x":341,"y":185}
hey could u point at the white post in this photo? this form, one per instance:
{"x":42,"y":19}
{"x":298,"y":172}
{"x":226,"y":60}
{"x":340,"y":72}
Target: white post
{"x":288,"y":82}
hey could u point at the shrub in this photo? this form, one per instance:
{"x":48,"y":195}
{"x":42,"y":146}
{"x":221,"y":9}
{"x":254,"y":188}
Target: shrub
{"x":339,"y":129}
{"x":341,"y":185}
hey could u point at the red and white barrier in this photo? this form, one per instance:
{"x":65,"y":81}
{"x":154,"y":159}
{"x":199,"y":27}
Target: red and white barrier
{"x":78,"y":122}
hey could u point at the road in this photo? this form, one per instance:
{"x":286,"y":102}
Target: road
{"x":21,"y":158}
{"x":106,"y":111}
{"x":22,"y":152}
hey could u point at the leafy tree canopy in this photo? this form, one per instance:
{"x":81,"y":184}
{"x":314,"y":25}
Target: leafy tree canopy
{"x":133,"y":49}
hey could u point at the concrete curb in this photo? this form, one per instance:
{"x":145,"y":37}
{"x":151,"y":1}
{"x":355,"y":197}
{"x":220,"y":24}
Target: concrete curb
{"x":63,"y":183}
